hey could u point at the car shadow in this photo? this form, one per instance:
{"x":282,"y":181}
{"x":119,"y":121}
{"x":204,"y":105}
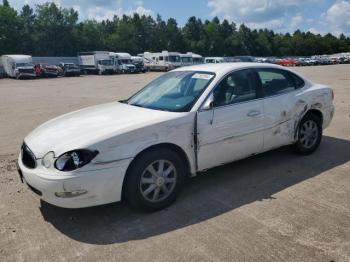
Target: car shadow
{"x":213,"y":193}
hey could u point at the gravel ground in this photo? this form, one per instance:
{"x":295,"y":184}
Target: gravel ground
{"x":272,"y":207}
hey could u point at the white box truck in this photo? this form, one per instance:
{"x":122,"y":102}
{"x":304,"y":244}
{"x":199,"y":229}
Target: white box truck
{"x":97,"y":62}
{"x":18,"y":66}
{"x":127,"y":65}
{"x":163,"y":61}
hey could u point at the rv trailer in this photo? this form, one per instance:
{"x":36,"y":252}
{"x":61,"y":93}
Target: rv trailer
{"x":186,"y":59}
{"x":196,"y":58}
{"x":163,"y":61}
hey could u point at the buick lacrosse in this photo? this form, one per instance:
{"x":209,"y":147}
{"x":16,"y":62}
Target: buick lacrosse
{"x":186,"y":121}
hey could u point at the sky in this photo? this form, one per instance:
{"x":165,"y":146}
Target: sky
{"x":317,"y":16}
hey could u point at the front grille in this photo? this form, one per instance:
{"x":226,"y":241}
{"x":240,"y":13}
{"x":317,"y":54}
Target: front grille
{"x":30,"y":71}
{"x":28,"y":158}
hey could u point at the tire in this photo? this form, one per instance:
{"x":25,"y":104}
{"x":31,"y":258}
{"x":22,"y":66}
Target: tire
{"x":142,"y":187}
{"x":309,"y":135}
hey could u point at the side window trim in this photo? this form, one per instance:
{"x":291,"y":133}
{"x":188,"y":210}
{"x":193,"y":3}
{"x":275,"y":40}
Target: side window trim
{"x":294,"y":76}
{"x":283,"y":72}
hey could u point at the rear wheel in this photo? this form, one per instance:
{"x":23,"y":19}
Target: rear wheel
{"x":154,"y":180}
{"x":309,"y":135}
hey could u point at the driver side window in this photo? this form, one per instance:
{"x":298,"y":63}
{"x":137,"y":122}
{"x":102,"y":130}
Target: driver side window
{"x":237,"y":87}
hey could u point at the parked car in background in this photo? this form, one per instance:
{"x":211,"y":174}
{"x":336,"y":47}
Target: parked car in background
{"x":139,"y":64}
{"x":243,"y":59}
{"x":18,"y":66}
{"x":214,"y":60}
{"x":184,"y":122}
{"x":286,"y":62}
{"x":325,"y":61}
{"x":46,"y":70}
{"x":2,"y":70}
{"x":69,"y":69}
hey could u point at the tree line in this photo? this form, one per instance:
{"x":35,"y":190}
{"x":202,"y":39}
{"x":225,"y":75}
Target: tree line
{"x":50,"y":30}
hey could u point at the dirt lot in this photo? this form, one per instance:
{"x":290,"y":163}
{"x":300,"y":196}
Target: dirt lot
{"x":273,"y":207}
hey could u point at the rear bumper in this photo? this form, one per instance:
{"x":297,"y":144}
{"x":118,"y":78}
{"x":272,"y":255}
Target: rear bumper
{"x":328,"y":114}
{"x":98,"y":186}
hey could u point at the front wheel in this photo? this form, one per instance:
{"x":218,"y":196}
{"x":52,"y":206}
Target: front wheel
{"x":309,"y":135}
{"x":154,"y":180}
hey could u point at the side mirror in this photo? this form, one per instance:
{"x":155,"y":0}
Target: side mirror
{"x":209,"y":103}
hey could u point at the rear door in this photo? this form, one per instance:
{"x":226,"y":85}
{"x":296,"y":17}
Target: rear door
{"x":282,"y":105}
{"x":233,"y":128}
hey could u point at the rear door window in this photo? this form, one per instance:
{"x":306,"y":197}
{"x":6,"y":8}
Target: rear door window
{"x":275,"y":81}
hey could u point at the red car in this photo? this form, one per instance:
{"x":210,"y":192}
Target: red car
{"x":286,"y":62}
{"x":46,"y":70}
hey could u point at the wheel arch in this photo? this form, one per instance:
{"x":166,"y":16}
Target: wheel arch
{"x":170,"y":146}
{"x":315,"y":112}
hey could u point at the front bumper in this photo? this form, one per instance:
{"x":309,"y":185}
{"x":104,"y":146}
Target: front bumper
{"x":26,"y":75}
{"x":103,"y":184}
{"x":50,"y":73}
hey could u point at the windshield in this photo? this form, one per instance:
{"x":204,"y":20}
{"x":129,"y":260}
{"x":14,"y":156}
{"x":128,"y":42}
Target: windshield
{"x":23,"y":64}
{"x":126,"y":61}
{"x":186,"y":59}
{"x":210,"y":61}
{"x":175,"y":91}
{"x":174,"y":58}
{"x":105,"y":62}
{"x":71,"y":66}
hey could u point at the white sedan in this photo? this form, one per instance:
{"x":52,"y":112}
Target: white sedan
{"x":186,"y":121}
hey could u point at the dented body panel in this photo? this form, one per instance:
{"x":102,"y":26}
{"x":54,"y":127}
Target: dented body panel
{"x":207,"y":138}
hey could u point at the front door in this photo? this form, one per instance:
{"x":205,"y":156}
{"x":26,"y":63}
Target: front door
{"x":233,"y":128}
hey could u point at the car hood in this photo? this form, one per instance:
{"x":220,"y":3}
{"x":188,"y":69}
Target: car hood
{"x":86,"y":127}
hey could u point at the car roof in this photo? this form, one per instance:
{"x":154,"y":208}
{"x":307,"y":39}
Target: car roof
{"x":224,"y":68}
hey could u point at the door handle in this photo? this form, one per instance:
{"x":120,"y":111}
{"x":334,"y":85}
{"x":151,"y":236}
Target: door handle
{"x":253,"y":113}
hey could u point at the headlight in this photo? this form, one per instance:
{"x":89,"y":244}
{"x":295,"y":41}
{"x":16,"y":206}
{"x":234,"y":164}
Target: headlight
{"x":48,"y":159}
{"x":74,"y":159}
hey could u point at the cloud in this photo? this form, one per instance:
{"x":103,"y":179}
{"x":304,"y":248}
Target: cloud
{"x":95,"y":9}
{"x":296,"y":21}
{"x":274,"y":14}
{"x":338,"y":17}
